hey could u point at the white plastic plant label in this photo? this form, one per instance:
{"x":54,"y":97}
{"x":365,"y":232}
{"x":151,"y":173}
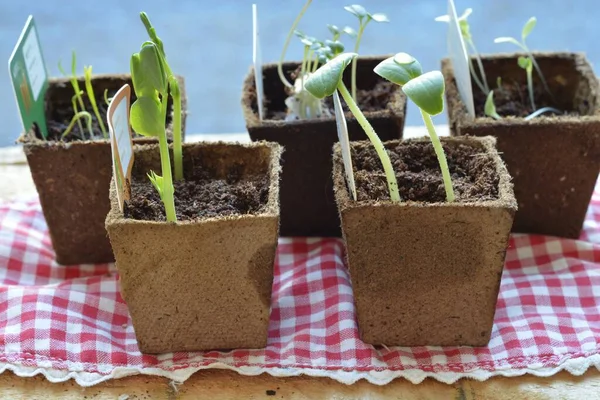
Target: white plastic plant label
{"x":460,"y":60}
{"x":121,"y":142}
{"x":257,"y":61}
{"x":342,"y":130}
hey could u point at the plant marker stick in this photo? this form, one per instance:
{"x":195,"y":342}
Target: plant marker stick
{"x":342,"y":130}
{"x":257,"y":61}
{"x":441,"y":156}
{"x":379,"y":148}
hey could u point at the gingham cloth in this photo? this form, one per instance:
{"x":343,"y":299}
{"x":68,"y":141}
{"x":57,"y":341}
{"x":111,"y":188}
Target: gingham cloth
{"x":71,"y":322}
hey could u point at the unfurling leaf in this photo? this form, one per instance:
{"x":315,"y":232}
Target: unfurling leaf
{"x":490,"y":106}
{"x":324,"y":81}
{"x":147,"y":72}
{"x":528,"y":27}
{"x":399,"y":69}
{"x":157,"y":182}
{"x":427,"y":92}
{"x":146,"y":117}
{"x":524,"y":62}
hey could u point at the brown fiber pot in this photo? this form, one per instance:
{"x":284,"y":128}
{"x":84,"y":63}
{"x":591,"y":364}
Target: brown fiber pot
{"x":426,"y":273}
{"x":73,"y":179}
{"x":205,"y":284}
{"x":307,"y":202}
{"x":554,"y":161}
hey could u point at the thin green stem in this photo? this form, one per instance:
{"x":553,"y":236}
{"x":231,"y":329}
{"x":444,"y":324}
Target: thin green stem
{"x":475,"y":77}
{"x":165,"y":160}
{"x":441,"y":156}
{"x":530,"y":86}
{"x":75,"y":111}
{"x":315,"y":64}
{"x":361,"y":29}
{"x":303,"y":68}
{"x":177,"y":146}
{"x":377,"y":143}
{"x":480,"y":65}
{"x":90,"y":92}
{"x":287,"y":43}
{"x":106,"y":97}
{"x":76,"y":118}
{"x":537,"y":68}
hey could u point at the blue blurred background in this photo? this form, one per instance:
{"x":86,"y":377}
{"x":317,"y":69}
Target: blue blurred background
{"x":210,"y":42}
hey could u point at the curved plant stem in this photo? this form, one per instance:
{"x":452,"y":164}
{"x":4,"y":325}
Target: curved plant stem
{"x":287,"y":44}
{"x":361,"y":29}
{"x":76,"y":118}
{"x":439,"y":152}
{"x":165,"y":160}
{"x":379,"y":148}
{"x":476,"y":78}
{"x":480,"y":65}
{"x":542,"y":111}
{"x":76,"y":110}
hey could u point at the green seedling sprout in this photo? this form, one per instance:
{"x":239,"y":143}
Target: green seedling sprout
{"x":287,"y":44}
{"x":527,"y":65}
{"x":107,"y":100}
{"x":324,"y":82}
{"x":75,"y":84}
{"x":490,"y":106}
{"x":76,"y":118}
{"x":364,"y":18}
{"x":149,"y":113}
{"x":175,"y":93}
{"x":87,"y":73}
{"x":426,"y":90}
{"x":465,"y":31}
{"x":527,"y":28}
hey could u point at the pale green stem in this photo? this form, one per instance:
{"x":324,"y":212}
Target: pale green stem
{"x":537,"y":68}
{"x":475,"y":77}
{"x":165,"y":160}
{"x":76,"y":118}
{"x":441,"y":156}
{"x":377,"y":143}
{"x":530,"y":86}
{"x":75,"y":111}
{"x":287,"y":43}
{"x":361,"y":29}
{"x":106,"y":97}
{"x":177,"y":146}
{"x":303,"y":68}
{"x":480,"y":64}
{"x":315,"y":64}
{"x":92,"y":97}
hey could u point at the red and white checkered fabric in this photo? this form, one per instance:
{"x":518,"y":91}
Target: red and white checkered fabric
{"x":71,"y":322}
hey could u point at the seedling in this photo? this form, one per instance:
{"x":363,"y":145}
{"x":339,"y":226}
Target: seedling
{"x":490,"y":107}
{"x":324,"y":82}
{"x":465,"y":32}
{"x":87,"y":73}
{"x":149,"y":113}
{"x":527,"y":28}
{"x":527,"y":65}
{"x":287,"y":43}
{"x":426,"y":90}
{"x":173,"y":90}
{"x":364,"y":18}
{"x":75,"y":84}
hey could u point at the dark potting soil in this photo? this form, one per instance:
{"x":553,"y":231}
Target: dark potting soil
{"x":201,"y":195}
{"x":474,"y":176}
{"x":372,"y":99}
{"x":513,"y":100}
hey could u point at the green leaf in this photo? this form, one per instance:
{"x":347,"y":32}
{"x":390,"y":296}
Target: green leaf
{"x":147,"y":71}
{"x":379,"y":17}
{"x":157,"y":182}
{"x":73,"y":63}
{"x":524,"y":62}
{"x":152,"y":32}
{"x":299,"y":34}
{"x":357,"y":10}
{"x":442,"y":18}
{"x":349,"y":31}
{"x":490,"y":106}
{"x":336,"y":46}
{"x":398,"y":73}
{"x":324,"y":81}
{"x":427,"y":92}
{"x":333,"y":29}
{"x":145,"y":117}
{"x":528,"y":27}
{"x":507,"y":40}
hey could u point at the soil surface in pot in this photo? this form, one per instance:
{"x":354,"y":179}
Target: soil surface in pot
{"x":512,"y":99}
{"x":418,"y":173}
{"x":201,"y":195}
{"x":372,"y":99}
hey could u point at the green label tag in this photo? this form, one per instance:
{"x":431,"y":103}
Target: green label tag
{"x":29,"y":78}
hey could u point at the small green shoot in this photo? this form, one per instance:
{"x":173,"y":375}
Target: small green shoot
{"x":364,"y":18}
{"x":76,"y":118}
{"x":87,"y":73}
{"x":527,"y":65}
{"x":75,"y":84}
{"x":465,"y":31}
{"x":287,"y":43}
{"x":107,"y":100}
{"x":174,"y":91}
{"x":324,"y":82}
{"x":525,"y":32}
{"x":149,"y":113}
{"x":490,"y":106}
{"x":426,"y":90}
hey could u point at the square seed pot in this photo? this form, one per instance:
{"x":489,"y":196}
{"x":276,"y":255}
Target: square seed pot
{"x":554,"y":161}
{"x":426,"y":273}
{"x":307,"y":202}
{"x":203,"y":284}
{"x":73,"y":178}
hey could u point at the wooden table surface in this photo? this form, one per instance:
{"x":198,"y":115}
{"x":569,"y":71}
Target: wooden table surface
{"x":221,"y":384}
